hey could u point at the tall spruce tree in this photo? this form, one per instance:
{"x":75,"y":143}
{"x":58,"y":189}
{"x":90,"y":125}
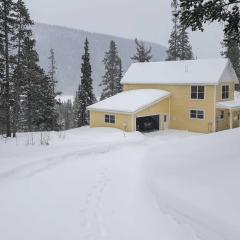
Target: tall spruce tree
{"x":143,"y":54}
{"x":86,"y":95}
{"x":7,"y":31}
{"x":53,"y":80}
{"x":179,"y":44}
{"x":23,"y":30}
{"x":52,"y":68}
{"x":232,"y":51}
{"x":113,"y":72}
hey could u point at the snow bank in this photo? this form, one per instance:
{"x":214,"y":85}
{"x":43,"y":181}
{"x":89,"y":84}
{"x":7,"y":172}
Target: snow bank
{"x":196,"y":182}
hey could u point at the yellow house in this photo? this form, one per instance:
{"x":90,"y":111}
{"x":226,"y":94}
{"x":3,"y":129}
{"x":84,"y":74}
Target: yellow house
{"x":193,"y":95}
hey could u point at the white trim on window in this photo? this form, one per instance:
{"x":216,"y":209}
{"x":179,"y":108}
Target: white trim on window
{"x":197,"y":113}
{"x":109,"y":119}
{"x":197,"y":98}
{"x":226,"y":92}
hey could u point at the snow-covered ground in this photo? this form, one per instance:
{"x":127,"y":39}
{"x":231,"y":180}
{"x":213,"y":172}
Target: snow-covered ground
{"x":102,"y":184}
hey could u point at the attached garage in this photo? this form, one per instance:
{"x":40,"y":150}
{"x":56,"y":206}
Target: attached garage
{"x":148,"y":123}
{"x":134,"y":110}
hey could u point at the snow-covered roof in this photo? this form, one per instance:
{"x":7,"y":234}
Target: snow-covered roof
{"x":130,"y":101}
{"x":233,"y":105}
{"x":201,"y":71}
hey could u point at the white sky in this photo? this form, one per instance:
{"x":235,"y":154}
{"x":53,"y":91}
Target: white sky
{"x":145,"y":19}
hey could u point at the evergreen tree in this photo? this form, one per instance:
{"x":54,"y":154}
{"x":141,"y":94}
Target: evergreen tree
{"x":76,"y":107}
{"x":179,"y":44}
{"x":195,"y":14}
{"x":52,"y":68}
{"x":232,"y":51}
{"x":86,"y":95}
{"x":143,"y":54}
{"x":7,"y":31}
{"x":53,"y":81}
{"x":23,"y":30}
{"x":113,"y":72}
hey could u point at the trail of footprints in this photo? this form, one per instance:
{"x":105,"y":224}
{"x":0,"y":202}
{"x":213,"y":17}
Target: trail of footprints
{"x":92,"y":221}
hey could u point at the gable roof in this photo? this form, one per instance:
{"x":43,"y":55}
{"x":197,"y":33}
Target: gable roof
{"x":204,"y":71}
{"x":129,"y":102}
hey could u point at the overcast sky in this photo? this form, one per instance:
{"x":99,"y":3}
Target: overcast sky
{"x":145,"y":19}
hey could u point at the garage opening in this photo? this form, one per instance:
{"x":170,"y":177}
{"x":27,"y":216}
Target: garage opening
{"x":148,"y":123}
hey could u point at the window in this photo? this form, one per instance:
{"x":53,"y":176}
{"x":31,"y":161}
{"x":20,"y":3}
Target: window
{"x":222,"y":115}
{"x":225,"y":92}
{"x":110,"y":119}
{"x":197,"y":114}
{"x":197,"y":92}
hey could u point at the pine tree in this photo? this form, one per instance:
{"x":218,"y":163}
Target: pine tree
{"x":113,"y":72}
{"x":196,"y":14}
{"x":30,"y":87}
{"x":7,"y":31}
{"x":143,"y":54}
{"x":52,"y":68}
{"x":52,"y":75}
{"x":23,"y":31}
{"x":86,"y":95}
{"x":76,"y":107}
{"x":232,"y":51}
{"x":179,"y":44}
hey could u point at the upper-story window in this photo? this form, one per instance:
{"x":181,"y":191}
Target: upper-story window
{"x":225,"y":91}
{"x":197,"y":92}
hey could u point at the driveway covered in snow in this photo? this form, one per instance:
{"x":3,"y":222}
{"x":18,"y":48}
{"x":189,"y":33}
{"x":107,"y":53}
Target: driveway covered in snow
{"x":104,"y":184}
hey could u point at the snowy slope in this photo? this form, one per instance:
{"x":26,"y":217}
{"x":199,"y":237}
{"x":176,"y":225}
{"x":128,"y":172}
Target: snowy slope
{"x":68,"y":45}
{"x":104,"y":184}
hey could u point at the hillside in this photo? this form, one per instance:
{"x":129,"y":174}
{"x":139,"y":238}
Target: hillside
{"x":68,"y":45}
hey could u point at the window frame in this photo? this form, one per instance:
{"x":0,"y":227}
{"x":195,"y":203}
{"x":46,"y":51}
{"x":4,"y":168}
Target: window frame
{"x":110,"y":119}
{"x":226,"y":92}
{"x":197,"y":92}
{"x":197,"y":114}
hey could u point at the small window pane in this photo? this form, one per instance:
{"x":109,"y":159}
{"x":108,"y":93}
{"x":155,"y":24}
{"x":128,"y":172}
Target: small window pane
{"x":112,"y":119}
{"x":194,"y":95}
{"x":193,"y":114}
{"x":200,"y":115}
{"x":200,"y":95}
{"x":201,"y":89}
{"x":107,"y":118}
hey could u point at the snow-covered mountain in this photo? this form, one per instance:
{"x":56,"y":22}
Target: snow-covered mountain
{"x":68,"y":46}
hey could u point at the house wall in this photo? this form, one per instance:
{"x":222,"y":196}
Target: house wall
{"x":160,"y":108}
{"x":121,"y":120}
{"x":97,"y":119}
{"x":231,"y":91}
{"x":236,"y":121}
{"x":222,"y":124}
{"x":181,"y":104}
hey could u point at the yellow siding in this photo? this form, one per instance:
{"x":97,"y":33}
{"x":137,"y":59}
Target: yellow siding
{"x":160,"y":108}
{"x":236,"y":122}
{"x":231,"y":92}
{"x":222,"y":124}
{"x":181,"y":104}
{"x":97,"y":119}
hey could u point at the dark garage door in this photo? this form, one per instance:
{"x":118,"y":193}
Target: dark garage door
{"x":148,"y":123}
